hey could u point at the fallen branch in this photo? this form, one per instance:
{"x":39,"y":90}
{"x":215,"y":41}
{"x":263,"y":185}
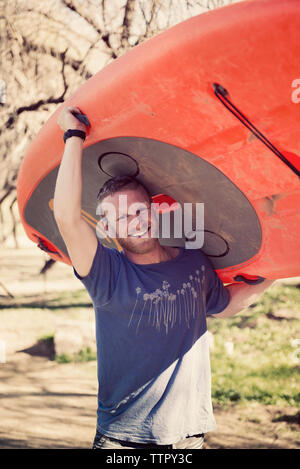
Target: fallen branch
{"x":6,"y":290}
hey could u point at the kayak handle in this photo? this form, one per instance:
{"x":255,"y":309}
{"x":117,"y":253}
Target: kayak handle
{"x":41,"y":244}
{"x":223,"y":96}
{"x":255,"y":281}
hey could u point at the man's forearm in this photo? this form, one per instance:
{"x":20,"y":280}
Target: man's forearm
{"x":67,"y":195}
{"x":242,"y":296}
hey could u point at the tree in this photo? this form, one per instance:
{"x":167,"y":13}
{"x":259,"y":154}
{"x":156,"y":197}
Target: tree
{"x":48,"y":49}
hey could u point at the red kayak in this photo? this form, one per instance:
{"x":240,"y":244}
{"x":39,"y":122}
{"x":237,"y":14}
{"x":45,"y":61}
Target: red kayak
{"x":203,"y":112}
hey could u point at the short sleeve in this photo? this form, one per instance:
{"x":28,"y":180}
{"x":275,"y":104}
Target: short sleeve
{"x":217,"y":295}
{"x":102,"y":277}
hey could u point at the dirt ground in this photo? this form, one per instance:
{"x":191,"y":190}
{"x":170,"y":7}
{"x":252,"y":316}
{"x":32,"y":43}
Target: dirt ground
{"x":47,"y":405}
{"x":44,"y":404}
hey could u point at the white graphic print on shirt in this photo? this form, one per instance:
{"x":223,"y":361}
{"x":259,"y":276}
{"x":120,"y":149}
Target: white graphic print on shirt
{"x":164,"y":308}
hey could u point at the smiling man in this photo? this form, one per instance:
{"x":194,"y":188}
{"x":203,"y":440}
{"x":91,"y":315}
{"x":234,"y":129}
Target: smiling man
{"x":127,"y":213}
{"x":151,"y":303}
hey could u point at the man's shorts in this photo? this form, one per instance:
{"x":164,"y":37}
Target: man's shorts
{"x":104,"y":442}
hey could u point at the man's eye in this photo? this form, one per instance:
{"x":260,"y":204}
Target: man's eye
{"x":144,"y":209}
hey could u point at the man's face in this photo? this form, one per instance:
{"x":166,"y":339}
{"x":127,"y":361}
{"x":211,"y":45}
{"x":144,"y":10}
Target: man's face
{"x":128,"y":219}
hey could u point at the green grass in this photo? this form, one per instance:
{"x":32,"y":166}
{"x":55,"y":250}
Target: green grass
{"x":85,"y":355}
{"x":48,"y":338}
{"x":263,"y":367}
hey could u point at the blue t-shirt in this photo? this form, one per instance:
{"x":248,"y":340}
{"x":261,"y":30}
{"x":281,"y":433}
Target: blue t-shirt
{"x":152,"y":344}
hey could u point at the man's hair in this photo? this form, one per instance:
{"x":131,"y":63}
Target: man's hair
{"x":115,"y":184}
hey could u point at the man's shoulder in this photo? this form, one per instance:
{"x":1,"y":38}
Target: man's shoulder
{"x":195,"y":253}
{"x":109,"y":249}
{"x":199,"y":257}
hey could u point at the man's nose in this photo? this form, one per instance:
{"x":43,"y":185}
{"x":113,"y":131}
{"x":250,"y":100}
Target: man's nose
{"x":141,"y":223}
{"x":143,"y":218}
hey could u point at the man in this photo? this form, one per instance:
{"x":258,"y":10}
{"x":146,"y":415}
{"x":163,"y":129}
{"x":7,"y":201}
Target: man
{"x":151,"y":303}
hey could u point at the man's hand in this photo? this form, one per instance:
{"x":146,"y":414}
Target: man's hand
{"x":66,"y":119}
{"x":242,"y":296}
{"x":79,"y":237}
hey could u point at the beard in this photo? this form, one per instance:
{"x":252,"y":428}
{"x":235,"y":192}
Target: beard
{"x":144,"y":244}
{"x":139,"y":245}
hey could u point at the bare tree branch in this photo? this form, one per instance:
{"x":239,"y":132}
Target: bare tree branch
{"x":65,"y":41}
{"x":41,"y":102}
{"x":69,"y":4}
{"x":127,"y":20}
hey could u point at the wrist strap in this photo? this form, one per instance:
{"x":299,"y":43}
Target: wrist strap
{"x":74,"y":133}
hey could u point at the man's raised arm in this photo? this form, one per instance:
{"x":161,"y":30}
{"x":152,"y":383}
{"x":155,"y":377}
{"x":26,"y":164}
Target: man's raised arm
{"x":79,"y":237}
{"x":242,"y":296}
